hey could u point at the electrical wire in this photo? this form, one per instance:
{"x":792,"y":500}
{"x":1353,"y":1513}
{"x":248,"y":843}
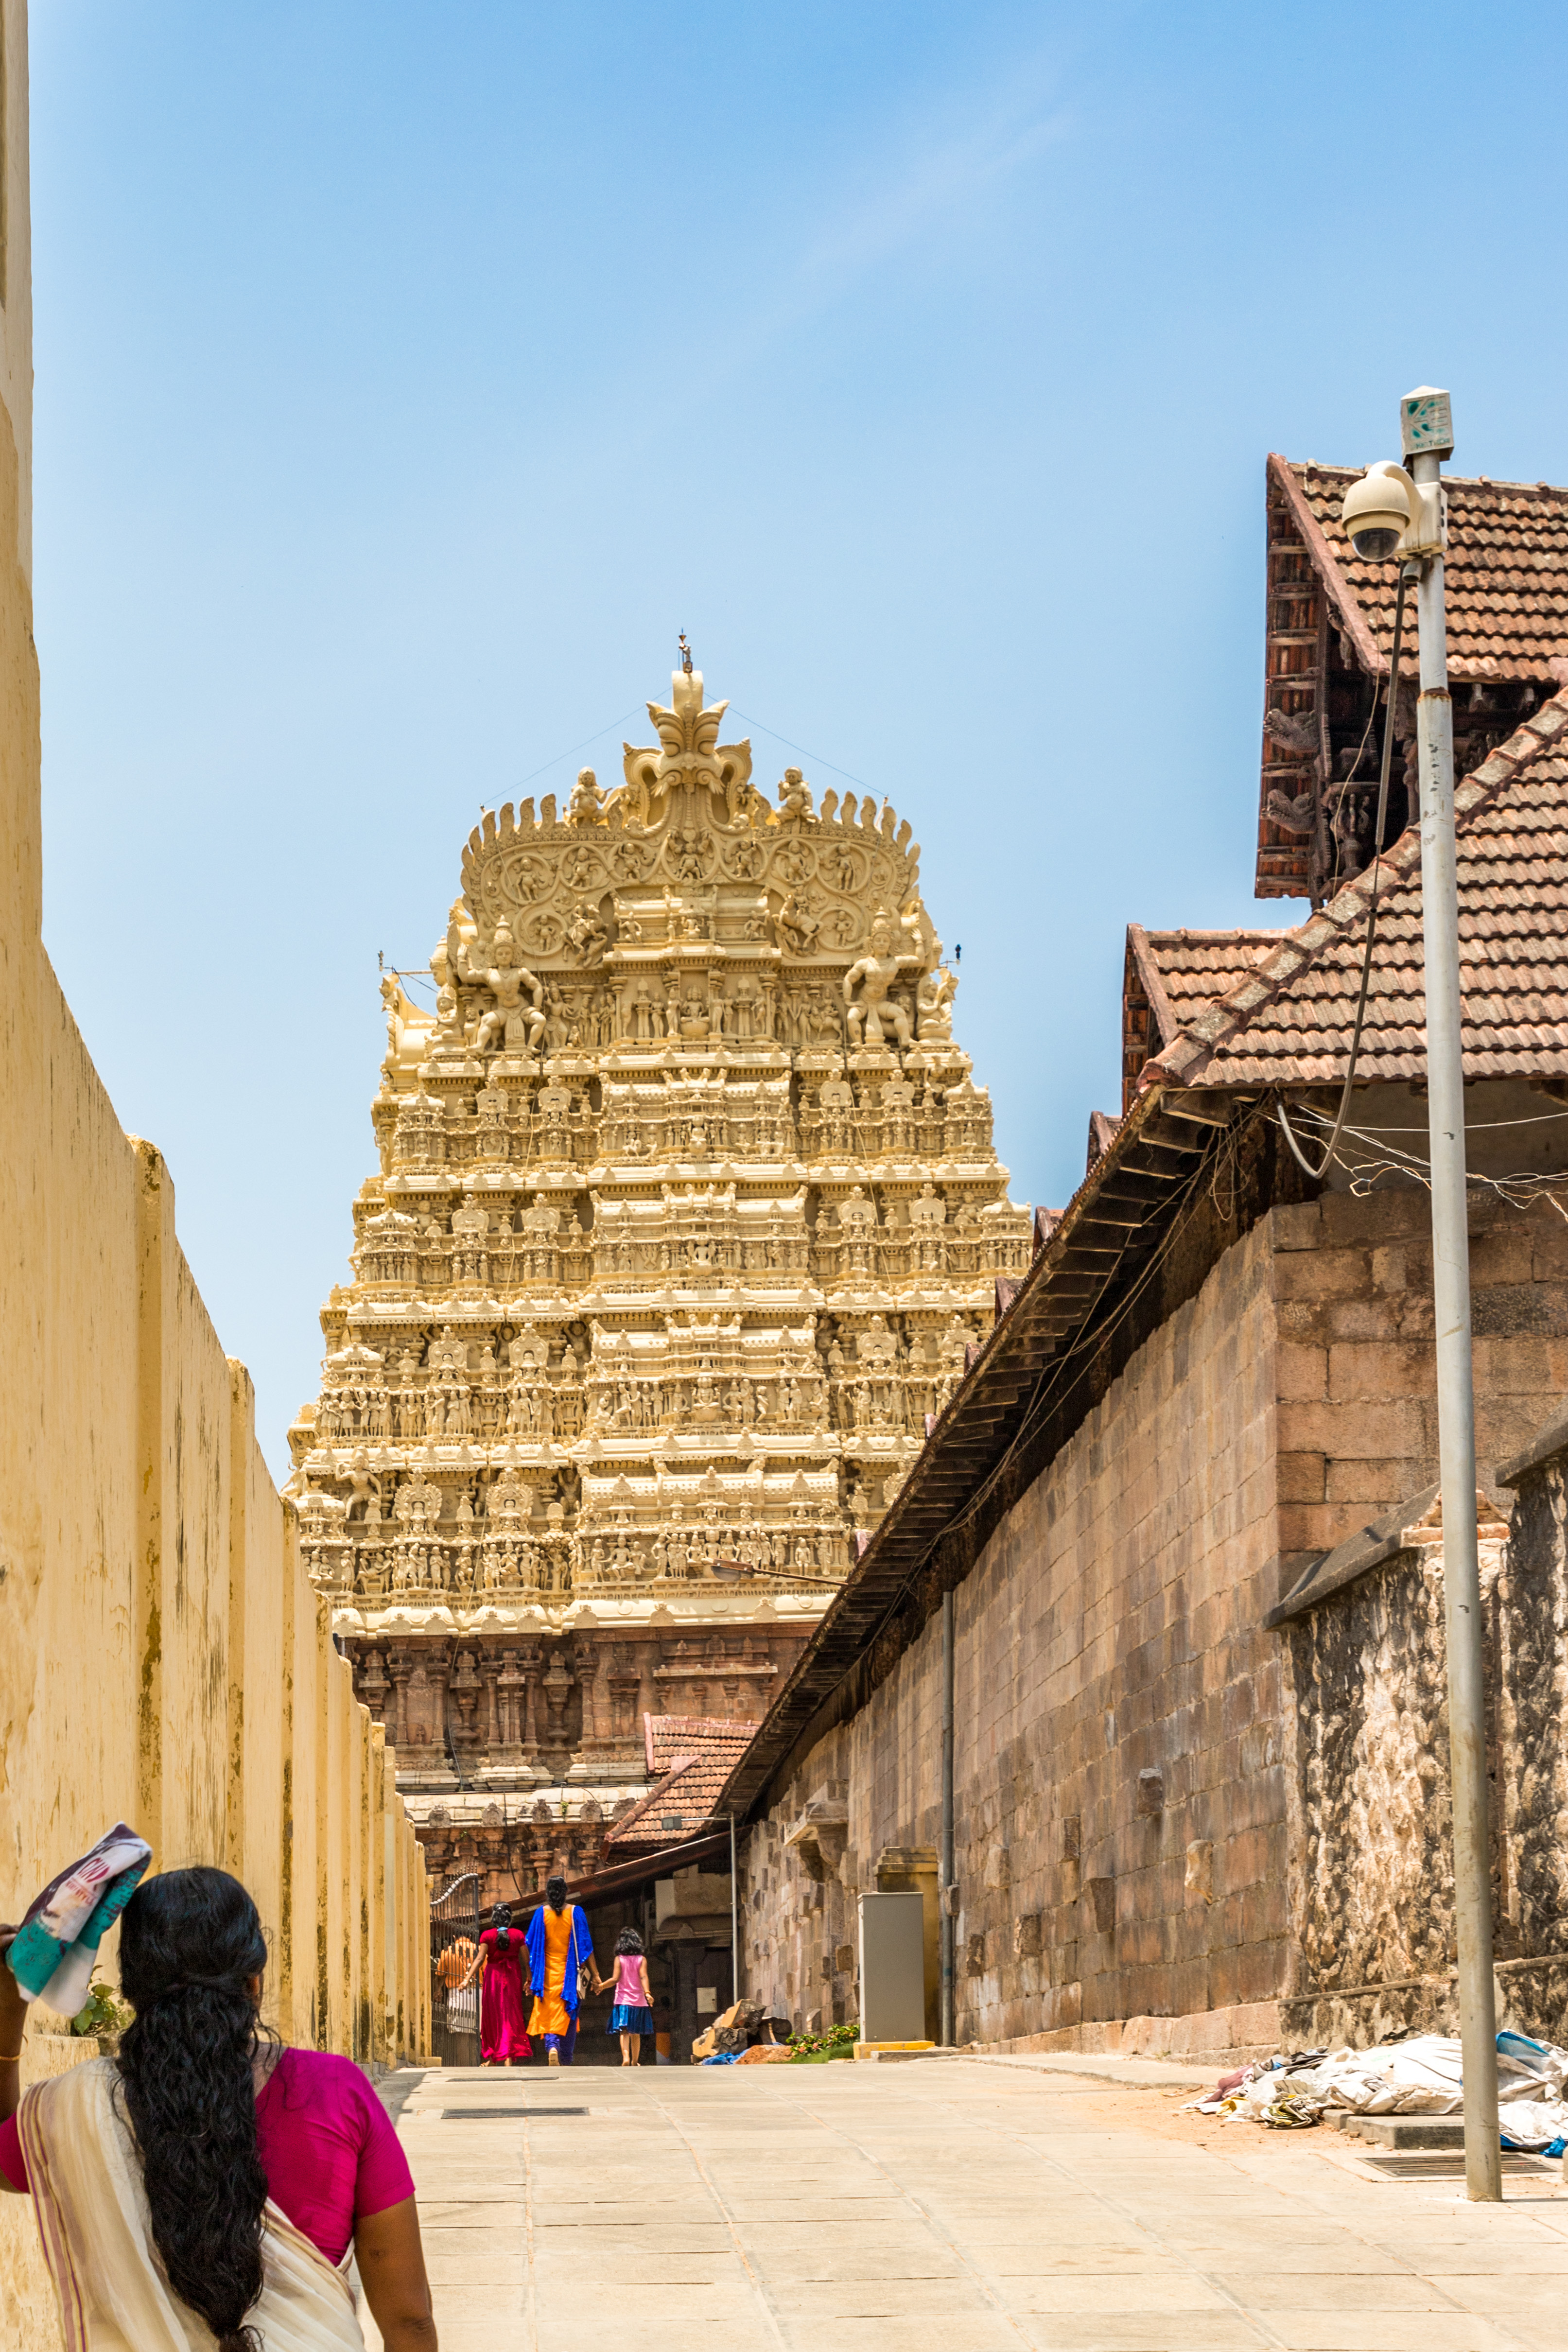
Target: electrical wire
{"x":1472,"y":1125}
{"x":583,"y":746}
{"x":1349,"y":779}
{"x":1092,"y":1339}
{"x":1317,"y":1174}
{"x":1518,"y":1189}
{"x":775,"y":737}
{"x":1050,"y":1379}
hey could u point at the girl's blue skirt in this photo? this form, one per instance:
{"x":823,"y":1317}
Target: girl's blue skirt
{"x":623,"y":2019}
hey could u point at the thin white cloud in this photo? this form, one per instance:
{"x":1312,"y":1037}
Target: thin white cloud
{"x":932,"y":175}
{"x":930,"y":193}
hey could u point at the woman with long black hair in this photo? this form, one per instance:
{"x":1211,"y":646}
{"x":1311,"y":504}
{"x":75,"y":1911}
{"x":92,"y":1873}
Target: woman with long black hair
{"x":503,"y":2036}
{"x":209,"y":2183}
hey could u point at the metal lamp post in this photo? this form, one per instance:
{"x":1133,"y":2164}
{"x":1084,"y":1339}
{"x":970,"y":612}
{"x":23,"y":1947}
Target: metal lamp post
{"x":1427,"y":435}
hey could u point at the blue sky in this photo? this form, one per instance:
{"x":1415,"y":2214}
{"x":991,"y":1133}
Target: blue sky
{"x":408,"y":377}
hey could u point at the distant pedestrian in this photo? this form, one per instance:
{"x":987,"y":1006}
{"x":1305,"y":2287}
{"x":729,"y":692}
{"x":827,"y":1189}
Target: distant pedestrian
{"x":632,"y":2015}
{"x":452,"y":1970}
{"x":559,"y":1949}
{"x":503,"y":2037}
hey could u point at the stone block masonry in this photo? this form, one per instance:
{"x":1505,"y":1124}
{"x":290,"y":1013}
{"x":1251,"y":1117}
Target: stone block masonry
{"x":1168,"y":1814}
{"x":1117,"y":1703}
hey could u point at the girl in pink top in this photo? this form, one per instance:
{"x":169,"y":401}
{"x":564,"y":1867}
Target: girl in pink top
{"x":259,"y":2165}
{"x":632,"y":2015}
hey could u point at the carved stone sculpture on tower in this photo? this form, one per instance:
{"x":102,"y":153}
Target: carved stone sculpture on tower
{"x":509,"y":1021}
{"x":875,"y":974}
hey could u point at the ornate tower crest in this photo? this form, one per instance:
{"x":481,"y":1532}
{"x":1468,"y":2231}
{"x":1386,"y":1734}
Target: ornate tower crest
{"x":686,"y":1212}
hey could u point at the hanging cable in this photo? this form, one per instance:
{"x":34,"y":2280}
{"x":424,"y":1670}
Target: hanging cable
{"x":1405,"y":570}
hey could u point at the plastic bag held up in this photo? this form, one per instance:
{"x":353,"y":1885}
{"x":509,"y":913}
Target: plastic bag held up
{"x":53,"y":1951}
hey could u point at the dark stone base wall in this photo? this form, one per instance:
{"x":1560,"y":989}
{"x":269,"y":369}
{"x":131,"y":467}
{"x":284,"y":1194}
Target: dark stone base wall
{"x":1375,"y":1895}
{"x":1119,"y":1768}
{"x":1163,"y":1808}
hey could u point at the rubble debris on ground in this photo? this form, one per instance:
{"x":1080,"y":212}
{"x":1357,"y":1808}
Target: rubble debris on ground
{"x":1422,"y":2076}
{"x":744,"y":2026}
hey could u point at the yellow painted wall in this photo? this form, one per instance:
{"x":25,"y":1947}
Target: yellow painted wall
{"x":162,"y":1655}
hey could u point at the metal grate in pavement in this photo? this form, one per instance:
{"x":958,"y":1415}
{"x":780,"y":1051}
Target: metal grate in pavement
{"x":502,"y":2115}
{"x":1443,"y":2164}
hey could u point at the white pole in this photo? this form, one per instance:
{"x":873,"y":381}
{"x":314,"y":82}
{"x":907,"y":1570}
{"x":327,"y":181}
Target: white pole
{"x":944,"y":1855}
{"x":1455,"y":1399}
{"x":734,"y":1920}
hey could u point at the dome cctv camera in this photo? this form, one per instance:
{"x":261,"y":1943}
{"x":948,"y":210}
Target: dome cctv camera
{"x":1379,"y":510}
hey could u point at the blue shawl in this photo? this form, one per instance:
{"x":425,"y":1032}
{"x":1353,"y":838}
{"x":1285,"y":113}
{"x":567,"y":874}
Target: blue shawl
{"x":579,"y":1952}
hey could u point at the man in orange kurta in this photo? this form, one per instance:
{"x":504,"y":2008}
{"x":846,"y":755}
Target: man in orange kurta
{"x":559,"y":1949}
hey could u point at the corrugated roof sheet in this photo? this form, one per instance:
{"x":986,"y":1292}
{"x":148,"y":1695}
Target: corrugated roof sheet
{"x":1289,"y":1022}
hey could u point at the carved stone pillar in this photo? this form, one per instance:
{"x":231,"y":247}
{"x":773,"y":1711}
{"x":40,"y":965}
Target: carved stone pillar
{"x":530,"y":1663}
{"x":438,"y":1668}
{"x":541,"y":1843}
{"x":623,"y":1681}
{"x":466,"y":1690}
{"x":555,"y":1683}
{"x":648,"y":1696}
{"x":373,"y":1684}
{"x":401,"y":1666}
{"x":510,"y":1688}
{"x":490,"y":1668}
{"x":588,"y":1658}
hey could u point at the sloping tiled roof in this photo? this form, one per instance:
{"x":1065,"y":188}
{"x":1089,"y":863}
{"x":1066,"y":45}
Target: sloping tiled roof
{"x":1192,"y":968}
{"x":694,"y":1754}
{"x":1505,"y":573}
{"x":1289,"y":1022}
{"x":1169,"y":977}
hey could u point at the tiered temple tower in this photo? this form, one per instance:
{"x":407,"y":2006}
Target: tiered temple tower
{"x":688,"y":1210}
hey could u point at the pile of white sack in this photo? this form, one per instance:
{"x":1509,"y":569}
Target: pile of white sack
{"x":1423,"y":2076}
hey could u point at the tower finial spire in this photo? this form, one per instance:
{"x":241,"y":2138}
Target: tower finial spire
{"x":685,"y":655}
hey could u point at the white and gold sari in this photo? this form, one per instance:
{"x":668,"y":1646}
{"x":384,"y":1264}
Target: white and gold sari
{"x":86,"y":2180}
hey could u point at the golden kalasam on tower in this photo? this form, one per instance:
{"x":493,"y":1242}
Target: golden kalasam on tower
{"x":688,"y":1210}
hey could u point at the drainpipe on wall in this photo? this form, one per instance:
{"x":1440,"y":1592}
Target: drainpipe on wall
{"x":734,"y":1920}
{"x":946,"y":1891}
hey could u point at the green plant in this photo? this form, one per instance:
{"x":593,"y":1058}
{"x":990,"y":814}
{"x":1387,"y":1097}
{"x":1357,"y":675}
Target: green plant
{"x":103,"y":2013}
{"x":816,"y":2049}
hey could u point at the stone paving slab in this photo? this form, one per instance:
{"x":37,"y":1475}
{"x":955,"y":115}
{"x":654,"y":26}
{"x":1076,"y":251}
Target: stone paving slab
{"x":1132,"y":2074}
{"x":959,"y":2207}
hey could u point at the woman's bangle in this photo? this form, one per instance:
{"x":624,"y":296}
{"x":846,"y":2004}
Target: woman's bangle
{"x":10,"y":2057}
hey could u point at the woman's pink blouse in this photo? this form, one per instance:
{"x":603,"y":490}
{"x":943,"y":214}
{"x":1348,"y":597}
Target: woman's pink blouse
{"x":326,"y":2143}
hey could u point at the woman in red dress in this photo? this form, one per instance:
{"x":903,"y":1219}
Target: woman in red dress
{"x":503,"y":2036}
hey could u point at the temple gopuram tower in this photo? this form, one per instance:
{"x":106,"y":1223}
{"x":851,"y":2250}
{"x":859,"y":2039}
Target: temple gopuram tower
{"x":687,"y":1208}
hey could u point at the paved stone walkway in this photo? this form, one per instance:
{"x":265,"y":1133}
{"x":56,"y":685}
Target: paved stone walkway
{"x":945,"y":2206}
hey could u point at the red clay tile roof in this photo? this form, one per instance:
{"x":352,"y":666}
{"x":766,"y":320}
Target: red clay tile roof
{"x":1505,"y":573}
{"x":694,"y":1754}
{"x":1289,"y":1022}
{"x":667,"y":1737}
{"x":1169,"y":977}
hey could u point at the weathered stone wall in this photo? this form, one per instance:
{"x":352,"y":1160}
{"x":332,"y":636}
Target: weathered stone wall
{"x":1119,"y":1765}
{"x":1164,"y":1810}
{"x":1531,"y":1649}
{"x":163,"y":1654}
{"x":1358,"y":1398}
{"x":1373,"y":1859}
